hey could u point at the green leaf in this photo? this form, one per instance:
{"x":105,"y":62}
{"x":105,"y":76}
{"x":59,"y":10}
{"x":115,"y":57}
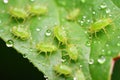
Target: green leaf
{"x":104,"y":46}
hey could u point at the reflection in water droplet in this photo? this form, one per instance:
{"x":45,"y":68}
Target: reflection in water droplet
{"x":101,"y":59}
{"x":48,"y":32}
{"x":5,"y":1}
{"x":91,"y":61}
{"x":9,"y":43}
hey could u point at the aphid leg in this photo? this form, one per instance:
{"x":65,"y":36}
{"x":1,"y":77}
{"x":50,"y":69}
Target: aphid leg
{"x":46,"y":55}
{"x":16,"y":20}
{"x":106,"y":33}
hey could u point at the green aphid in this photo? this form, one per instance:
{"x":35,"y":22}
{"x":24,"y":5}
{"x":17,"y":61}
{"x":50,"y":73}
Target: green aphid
{"x":37,"y":9}
{"x":46,"y":47}
{"x":73,"y":15}
{"x":100,"y":24}
{"x":18,"y":13}
{"x":63,"y":69}
{"x":60,"y":34}
{"x":72,"y":52}
{"x":20,"y":32}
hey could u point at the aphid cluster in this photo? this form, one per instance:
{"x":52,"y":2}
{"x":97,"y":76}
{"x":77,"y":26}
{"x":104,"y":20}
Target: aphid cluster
{"x":24,"y":13}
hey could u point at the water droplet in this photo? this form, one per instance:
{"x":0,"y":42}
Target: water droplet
{"x":74,"y":78}
{"x":93,"y":12}
{"x":83,"y":1}
{"x":88,"y":43}
{"x":24,"y":56}
{"x":9,"y":43}
{"x":88,"y":20}
{"x":5,"y":1}
{"x":103,"y":6}
{"x":107,"y":45}
{"x":118,"y":44}
{"x":103,"y":50}
{"x":81,"y":66}
{"x":81,"y":22}
{"x":101,"y":59}
{"x":91,"y":61}
{"x":108,"y":10}
{"x":48,"y":32}
{"x":37,"y":29}
{"x":46,"y":77}
{"x":84,"y":17}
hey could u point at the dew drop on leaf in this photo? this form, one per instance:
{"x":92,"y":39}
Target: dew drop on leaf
{"x":37,"y":29}
{"x":88,"y":43}
{"x":103,"y":6}
{"x":48,"y":32}
{"x":91,"y":61}
{"x":101,"y":59}
{"x":94,"y":12}
{"x":9,"y":43}
{"x":108,"y":10}
{"x":5,"y":1}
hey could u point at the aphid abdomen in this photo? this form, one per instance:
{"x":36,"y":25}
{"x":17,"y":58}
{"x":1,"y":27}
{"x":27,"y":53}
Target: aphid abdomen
{"x":46,"y":47}
{"x":100,"y":24}
{"x":63,"y":69}
{"x":73,"y":14}
{"x":37,"y":10}
{"x":60,"y":34}
{"x":72,"y":52}
{"x":18,"y":13}
{"x":20,"y":32}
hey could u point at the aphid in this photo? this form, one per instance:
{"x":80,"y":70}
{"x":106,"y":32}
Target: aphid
{"x":37,"y":9}
{"x":79,"y":75}
{"x":46,"y":47}
{"x":60,"y":34}
{"x":73,"y":14}
{"x":72,"y":52}
{"x":100,"y":24}
{"x":63,"y":69}
{"x":20,"y":32}
{"x":18,"y":13}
